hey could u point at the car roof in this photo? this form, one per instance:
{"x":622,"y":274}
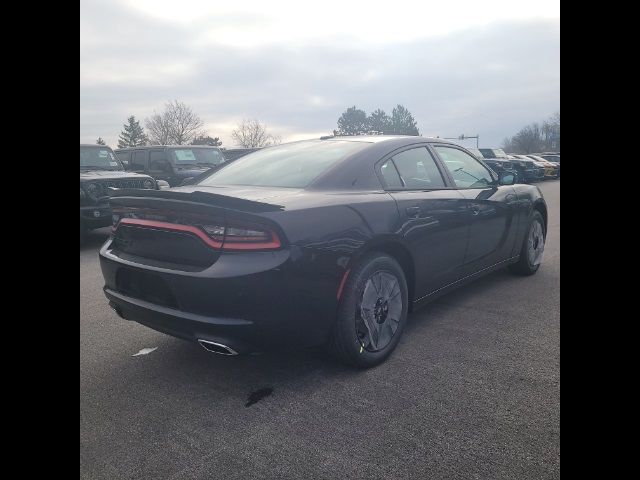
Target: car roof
{"x":399,"y":139}
{"x":94,"y":145}
{"x":165,"y":146}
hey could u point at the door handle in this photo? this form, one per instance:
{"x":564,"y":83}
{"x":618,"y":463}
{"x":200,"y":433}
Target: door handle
{"x":413,"y":211}
{"x":475,"y":209}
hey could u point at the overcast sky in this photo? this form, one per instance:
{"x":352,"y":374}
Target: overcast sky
{"x":468,"y":67}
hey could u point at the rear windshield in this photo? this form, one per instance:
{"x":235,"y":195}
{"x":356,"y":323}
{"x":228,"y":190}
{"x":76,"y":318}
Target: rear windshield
{"x":98,"y":158}
{"x":293,"y":165}
{"x":196,"y":156}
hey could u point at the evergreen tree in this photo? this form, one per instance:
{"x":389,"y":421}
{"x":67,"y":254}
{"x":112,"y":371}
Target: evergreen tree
{"x":100,"y":141}
{"x":379,"y":123}
{"x":402,"y":122}
{"x":132,"y":134}
{"x":352,"y":122}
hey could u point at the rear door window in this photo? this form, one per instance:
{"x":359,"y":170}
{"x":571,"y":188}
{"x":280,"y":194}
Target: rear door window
{"x":158,"y":161}
{"x":390,"y":175}
{"x":125,"y":158}
{"x":139,"y":161}
{"x":418,"y":170}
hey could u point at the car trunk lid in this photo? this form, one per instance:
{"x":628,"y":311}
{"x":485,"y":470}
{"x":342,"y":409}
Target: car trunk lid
{"x":188,"y":229}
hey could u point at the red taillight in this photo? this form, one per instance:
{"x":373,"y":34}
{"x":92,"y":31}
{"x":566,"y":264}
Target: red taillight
{"x":175,"y":227}
{"x":233,"y":237}
{"x":250,"y":238}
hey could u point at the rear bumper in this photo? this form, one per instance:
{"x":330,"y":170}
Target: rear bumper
{"x":238,"y":334}
{"x":251,"y":301}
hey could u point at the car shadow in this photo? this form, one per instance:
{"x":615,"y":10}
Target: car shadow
{"x":188,"y":370}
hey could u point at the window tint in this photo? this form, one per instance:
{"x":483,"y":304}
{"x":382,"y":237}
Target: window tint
{"x":294,"y":164}
{"x":138,"y":160}
{"x":158,"y":161}
{"x":124,"y":157}
{"x":467,"y":172}
{"x":98,"y":158}
{"x":417,"y":169}
{"x":390,"y":175}
{"x":207,"y":157}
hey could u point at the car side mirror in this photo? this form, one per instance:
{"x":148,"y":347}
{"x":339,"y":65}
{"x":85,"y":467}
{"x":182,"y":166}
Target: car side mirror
{"x":507,"y":178}
{"x":162,"y":185}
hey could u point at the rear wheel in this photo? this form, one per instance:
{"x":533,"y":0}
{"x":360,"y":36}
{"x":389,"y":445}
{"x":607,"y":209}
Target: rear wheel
{"x":372,"y":313}
{"x":532,"y":248}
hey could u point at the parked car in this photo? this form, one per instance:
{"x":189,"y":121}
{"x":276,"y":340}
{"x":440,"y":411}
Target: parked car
{"x":317,"y":242}
{"x":534,"y":170}
{"x":551,"y":169}
{"x":497,"y":164}
{"x":527,"y":171}
{"x":554,"y":158}
{"x":171,"y":163}
{"x":99,"y":170}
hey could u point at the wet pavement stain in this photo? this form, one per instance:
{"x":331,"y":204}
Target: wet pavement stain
{"x":256,"y":396}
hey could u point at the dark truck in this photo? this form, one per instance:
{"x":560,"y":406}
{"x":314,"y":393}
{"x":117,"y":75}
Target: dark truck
{"x":171,"y":163}
{"x":498,"y":165}
{"x":99,"y":170}
{"x":526,"y":169}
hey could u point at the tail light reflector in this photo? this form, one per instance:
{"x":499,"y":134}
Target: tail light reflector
{"x":233,"y":237}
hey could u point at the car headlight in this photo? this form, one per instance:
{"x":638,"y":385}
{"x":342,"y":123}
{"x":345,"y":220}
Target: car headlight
{"x":93,"y":190}
{"x":149,"y":184}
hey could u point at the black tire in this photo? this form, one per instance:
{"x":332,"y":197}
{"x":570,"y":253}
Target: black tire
{"x":526,"y":265}
{"x":345,"y":343}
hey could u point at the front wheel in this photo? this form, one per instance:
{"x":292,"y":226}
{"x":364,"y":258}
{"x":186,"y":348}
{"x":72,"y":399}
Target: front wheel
{"x":532,"y":248}
{"x":372,"y":312}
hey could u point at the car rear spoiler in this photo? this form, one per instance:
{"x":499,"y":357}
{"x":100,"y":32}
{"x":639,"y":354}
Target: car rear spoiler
{"x":119,"y":196}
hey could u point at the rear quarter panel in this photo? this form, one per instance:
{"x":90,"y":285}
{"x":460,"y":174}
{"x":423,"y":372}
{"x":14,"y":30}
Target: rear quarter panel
{"x":324,"y":241}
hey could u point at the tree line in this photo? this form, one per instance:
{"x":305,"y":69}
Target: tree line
{"x":179,"y":124}
{"x":536,"y":137}
{"x":354,"y":121}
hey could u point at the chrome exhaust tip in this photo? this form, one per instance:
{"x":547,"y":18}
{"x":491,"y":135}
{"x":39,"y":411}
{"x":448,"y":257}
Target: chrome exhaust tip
{"x":214,"y":347}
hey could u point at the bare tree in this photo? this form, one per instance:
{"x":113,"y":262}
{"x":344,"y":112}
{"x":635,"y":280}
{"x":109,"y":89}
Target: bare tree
{"x":178,"y":124}
{"x":253,"y":134}
{"x":551,"y":132}
{"x":535,"y":137}
{"x":158,"y":128}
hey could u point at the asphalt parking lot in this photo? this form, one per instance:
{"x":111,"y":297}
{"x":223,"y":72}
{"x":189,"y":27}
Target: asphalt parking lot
{"x":472,"y":391}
